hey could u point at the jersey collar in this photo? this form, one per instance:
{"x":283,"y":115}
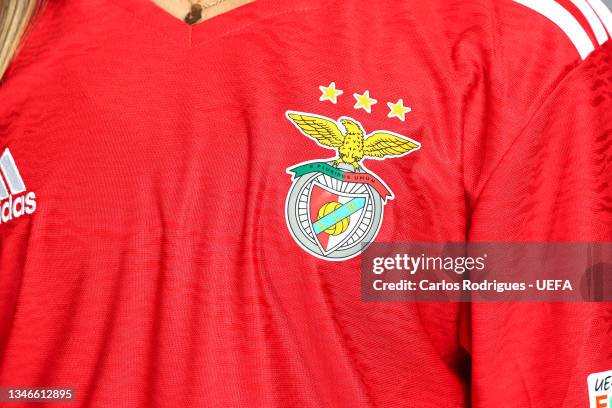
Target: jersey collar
{"x":148,"y":13}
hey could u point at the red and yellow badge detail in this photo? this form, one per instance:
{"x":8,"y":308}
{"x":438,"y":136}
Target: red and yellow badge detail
{"x":334,"y":207}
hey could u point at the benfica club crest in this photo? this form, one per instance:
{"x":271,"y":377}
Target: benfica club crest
{"x":335,"y":206}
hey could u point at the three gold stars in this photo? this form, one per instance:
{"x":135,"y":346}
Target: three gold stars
{"x":364,"y":101}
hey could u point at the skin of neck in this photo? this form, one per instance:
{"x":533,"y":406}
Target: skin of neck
{"x":210,"y":8}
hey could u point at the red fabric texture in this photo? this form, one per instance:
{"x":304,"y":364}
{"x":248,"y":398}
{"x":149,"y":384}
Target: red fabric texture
{"x":158,"y":270}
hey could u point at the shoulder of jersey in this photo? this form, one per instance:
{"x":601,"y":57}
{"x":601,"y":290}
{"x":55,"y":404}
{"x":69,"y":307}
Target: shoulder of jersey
{"x":587,"y":24}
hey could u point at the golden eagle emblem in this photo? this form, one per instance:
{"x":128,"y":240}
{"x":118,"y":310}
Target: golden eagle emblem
{"x":352,"y":144}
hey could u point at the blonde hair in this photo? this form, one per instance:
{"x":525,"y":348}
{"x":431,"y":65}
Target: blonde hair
{"x":15,"y":18}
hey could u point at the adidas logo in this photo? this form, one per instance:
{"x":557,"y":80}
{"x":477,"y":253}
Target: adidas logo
{"x":15,"y":201}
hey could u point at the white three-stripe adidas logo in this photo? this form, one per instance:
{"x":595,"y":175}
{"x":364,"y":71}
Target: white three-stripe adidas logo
{"x":595,"y":12}
{"x":13,"y":203}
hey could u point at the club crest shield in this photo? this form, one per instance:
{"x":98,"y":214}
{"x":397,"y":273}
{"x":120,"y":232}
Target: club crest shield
{"x":335,"y":207}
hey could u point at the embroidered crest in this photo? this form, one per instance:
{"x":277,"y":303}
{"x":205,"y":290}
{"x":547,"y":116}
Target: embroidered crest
{"x":335,"y":206}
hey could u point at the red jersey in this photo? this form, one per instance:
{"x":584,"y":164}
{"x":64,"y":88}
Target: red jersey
{"x":156,"y":252}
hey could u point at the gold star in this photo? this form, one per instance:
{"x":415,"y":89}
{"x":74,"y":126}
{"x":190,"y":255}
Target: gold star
{"x":398,"y":110}
{"x":330,"y":93}
{"x":364,"y":101}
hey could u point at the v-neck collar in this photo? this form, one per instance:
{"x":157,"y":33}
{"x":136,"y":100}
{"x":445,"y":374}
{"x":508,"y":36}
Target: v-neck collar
{"x":150,"y":14}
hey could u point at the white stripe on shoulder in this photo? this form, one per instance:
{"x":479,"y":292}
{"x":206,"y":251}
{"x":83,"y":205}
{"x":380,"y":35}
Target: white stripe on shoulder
{"x":604,"y":14}
{"x":566,"y":22}
{"x":596,"y":26}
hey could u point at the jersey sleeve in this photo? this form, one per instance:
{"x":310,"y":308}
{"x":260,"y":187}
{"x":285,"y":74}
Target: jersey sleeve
{"x":551,"y":180}
{"x":528,"y":48}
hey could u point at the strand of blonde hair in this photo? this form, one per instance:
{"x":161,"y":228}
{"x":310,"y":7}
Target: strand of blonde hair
{"x":15,"y":16}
